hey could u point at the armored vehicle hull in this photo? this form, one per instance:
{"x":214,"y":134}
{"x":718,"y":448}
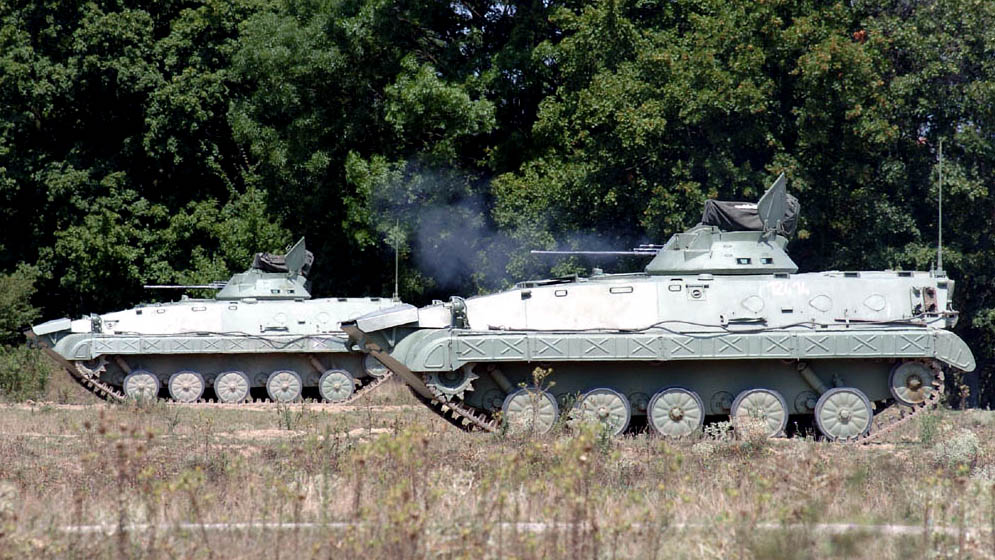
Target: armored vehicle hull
{"x":719,"y":325}
{"x":261,"y":337}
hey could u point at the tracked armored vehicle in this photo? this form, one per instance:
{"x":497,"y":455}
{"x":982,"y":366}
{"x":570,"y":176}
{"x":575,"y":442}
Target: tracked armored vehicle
{"x":261,"y":335}
{"x":719,"y":324}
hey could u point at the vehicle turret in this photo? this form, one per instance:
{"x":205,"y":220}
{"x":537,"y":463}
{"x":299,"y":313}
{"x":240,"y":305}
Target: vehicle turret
{"x":734,"y":238}
{"x":272,"y":277}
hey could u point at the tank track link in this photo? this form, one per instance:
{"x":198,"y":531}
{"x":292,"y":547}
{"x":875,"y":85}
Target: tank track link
{"x":882,"y":425}
{"x":456,"y":413}
{"x":90,"y":380}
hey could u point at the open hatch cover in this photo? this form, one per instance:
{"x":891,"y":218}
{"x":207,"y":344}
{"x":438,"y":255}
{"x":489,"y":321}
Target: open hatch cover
{"x":744,"y":216}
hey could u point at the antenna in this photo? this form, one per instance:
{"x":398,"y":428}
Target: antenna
{"x":397,"y":227}
{"x":939,"y":226}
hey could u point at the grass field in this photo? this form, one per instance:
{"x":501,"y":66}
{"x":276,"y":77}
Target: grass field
{"x":387,"y":479}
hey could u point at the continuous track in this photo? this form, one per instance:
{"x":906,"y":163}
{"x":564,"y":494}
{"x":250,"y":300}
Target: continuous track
{"x":457,"y":414}
{"x":90,"y":380}
{"x":882,"y":426}
{"x":886,"y":421}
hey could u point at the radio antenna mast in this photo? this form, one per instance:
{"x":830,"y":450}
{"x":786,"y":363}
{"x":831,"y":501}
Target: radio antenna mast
{"x":397,"y":227}
{"x":939,"y":238}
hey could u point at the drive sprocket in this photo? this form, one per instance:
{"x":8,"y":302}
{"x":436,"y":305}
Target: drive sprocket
{"x":450,"y":384}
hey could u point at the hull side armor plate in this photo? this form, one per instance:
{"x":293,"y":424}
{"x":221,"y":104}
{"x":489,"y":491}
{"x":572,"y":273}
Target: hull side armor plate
{"x":465,"y":347}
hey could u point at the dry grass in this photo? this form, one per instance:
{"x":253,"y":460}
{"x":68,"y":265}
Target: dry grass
{"x":385,"y":479}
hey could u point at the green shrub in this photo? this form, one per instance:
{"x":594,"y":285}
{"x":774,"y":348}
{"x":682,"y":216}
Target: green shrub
{"x":959,"y":448}
{"x":24,"y":373}
{"x":16,"y":311}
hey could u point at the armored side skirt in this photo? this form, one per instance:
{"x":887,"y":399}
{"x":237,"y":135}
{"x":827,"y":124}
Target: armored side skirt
{"x":90,"y":346}
{"x":445,"y":350}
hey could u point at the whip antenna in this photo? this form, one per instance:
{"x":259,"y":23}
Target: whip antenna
{"x":939,"y":238}
{"x":397,"y":227}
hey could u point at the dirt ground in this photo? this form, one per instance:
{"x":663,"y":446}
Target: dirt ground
{"x":386,"y":478}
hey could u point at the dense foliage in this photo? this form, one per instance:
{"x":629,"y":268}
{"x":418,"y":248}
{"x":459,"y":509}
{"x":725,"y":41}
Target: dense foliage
{"x":23,"y":371}
{"x":167,"y":141}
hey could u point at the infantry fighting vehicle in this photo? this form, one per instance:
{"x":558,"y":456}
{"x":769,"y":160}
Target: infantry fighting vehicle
{"x":720,"y":324}
{"x":261,"y":332}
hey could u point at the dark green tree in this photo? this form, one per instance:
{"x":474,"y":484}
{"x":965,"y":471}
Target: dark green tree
{"x":167,"y":142}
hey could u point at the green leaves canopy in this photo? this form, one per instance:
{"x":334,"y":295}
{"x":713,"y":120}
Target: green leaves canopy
{"x":167,"y":142}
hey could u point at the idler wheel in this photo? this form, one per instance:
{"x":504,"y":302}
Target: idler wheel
{"x":373,"y":367}
{"x":911,"y":383}
{"x":604,"y":406}
{"x":186,"y":386}
{"x":530,"y":410}
{"x":284,"y":386}
{"x":676,"y":412}
{"x":232,"y":387}
{"x":141,"y":385}
{"x":336,"y":385}
{"x":765,"y":405}
{"x":843,"y":413}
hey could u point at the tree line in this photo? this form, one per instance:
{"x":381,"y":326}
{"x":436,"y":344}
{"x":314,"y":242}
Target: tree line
{"x":166,"y":142}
